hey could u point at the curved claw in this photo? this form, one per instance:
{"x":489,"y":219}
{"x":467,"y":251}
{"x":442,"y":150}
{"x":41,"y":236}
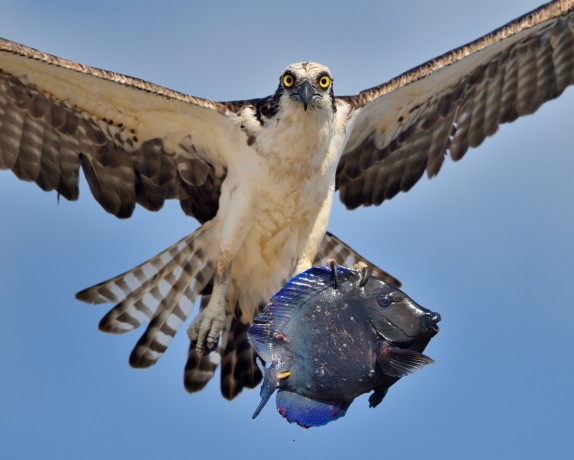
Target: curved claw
{"x":364,"y":269}
{"x":333,"y":264}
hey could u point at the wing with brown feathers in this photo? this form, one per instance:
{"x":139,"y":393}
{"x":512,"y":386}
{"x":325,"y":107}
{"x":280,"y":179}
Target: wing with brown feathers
{"x":135,"y":141}
{"x":405,"y":127}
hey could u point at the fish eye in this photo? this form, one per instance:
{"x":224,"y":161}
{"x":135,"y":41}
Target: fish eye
{"x":288,"y":80}
{"x":324,"y":81}
{"x":384,"y":301}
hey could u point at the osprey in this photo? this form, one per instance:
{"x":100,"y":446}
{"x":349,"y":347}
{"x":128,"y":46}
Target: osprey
{"x":259,"y":175}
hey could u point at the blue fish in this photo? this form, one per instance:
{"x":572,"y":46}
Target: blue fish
{"x":332,"y":334}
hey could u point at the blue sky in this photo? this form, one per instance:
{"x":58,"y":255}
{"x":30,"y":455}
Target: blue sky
{"x":488,"y":243}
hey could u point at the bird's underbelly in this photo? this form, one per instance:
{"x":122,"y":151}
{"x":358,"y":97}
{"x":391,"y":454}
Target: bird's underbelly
{"x":281,"y":193}
{"x":281,"y":224}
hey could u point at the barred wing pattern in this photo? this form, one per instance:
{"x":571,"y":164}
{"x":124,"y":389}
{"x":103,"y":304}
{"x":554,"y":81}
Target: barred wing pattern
{"x":161,"y":291}
{"x":406,"y":126}
{"x":136,"y":142}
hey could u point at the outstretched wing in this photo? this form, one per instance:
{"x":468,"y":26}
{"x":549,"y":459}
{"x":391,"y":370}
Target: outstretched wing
{"x":406,"y":126}
{"x":135,"y":141}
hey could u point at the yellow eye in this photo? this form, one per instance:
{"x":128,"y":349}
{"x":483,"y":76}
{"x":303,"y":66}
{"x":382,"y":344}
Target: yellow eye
{"x":288,"y":80}
{"x":324,"y":82}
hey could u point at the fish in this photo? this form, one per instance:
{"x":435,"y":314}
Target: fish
{"x":333,"y":333}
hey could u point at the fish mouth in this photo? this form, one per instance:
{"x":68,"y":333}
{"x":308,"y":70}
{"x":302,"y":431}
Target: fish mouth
{"x":435,"y":318}
{"x":428,"y":324}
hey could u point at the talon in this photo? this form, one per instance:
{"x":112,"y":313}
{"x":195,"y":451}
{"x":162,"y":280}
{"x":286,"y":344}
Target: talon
{"x":199,"y":350}
{"x":192,"y":332}
{"x":364,"y":269}
{"x":202,"y":352}
{"x":204,"y":330}
{"x":333,"y":264}
{"x":213,"y":345}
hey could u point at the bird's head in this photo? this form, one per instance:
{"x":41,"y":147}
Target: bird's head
{"x":308,"y":84}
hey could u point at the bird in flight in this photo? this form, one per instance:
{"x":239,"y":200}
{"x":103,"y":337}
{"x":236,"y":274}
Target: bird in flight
{"x":260,"y":175}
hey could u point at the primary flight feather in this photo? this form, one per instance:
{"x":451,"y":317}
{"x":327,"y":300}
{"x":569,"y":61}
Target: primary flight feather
{"x":260,"y":174}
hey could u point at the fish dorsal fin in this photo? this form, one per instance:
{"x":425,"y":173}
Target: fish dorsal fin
{"x":268,"y":326}
{"x":398,"y":362}
{"x":308,"y":412}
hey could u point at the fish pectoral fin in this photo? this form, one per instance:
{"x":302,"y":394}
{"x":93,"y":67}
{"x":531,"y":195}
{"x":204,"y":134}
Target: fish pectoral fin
{"x":308,"y":412}
{"x":261,"y":405}
{"x":378,"y":395}
{"x":268,"y":387}
{"x":396,"y":362}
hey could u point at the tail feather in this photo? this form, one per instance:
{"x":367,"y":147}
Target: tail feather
{"x":238,"y":361}
{"x":199,"y":370}
{"x":161,"y":291}
{"x":173,"y":310}
{"x":122,"y":286}
{"x":333,"y":248}
{"x":239,"y":368}
{"x":142,"y":303}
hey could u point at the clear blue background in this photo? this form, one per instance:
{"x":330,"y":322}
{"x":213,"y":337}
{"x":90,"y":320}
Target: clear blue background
{"x":489,"y":244}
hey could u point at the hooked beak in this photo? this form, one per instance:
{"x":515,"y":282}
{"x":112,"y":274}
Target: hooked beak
{"x":305,"y":93}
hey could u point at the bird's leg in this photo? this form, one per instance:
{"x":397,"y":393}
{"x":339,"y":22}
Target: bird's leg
{"x":207,"y":325}
{"x":316,"y":235}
